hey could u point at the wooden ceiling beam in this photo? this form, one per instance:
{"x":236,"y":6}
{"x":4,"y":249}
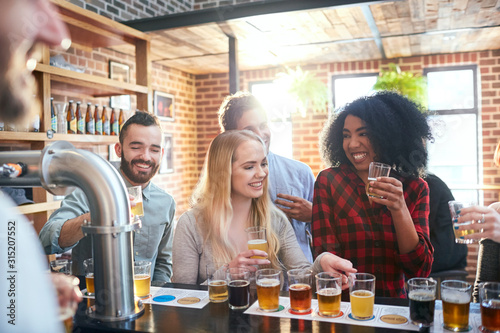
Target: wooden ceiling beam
{"x":231,"y":12}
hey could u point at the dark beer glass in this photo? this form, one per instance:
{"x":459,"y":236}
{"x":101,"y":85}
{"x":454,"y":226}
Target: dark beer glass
{"x":238,"y":288}
{"x":422,"y":295}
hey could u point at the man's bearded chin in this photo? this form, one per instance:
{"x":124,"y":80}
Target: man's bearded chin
{"x":139,"y":178}
{"x":17,"y":86}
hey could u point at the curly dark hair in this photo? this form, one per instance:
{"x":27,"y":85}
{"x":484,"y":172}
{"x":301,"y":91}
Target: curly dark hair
{"x":397,"y":129}
{"x":143,"y":118}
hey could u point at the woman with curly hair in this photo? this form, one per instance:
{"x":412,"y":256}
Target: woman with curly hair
{"x":387,"y":236}
{"x":231,"y":196}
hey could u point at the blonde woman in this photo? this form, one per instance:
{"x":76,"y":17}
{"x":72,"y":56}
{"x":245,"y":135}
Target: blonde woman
{"x":230,"y":197}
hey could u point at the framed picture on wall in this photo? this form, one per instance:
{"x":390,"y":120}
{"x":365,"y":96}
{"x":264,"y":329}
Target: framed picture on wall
{"x":167,"y":162}
{"x":164,"y":106}
{"x":121,"y":73}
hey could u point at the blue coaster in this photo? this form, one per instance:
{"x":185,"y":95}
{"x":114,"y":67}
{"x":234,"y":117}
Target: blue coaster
{"x":350,"y":316}
{"x":164,"y":298}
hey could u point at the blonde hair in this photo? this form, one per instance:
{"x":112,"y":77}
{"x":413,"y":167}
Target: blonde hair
{"x":212,"y":199}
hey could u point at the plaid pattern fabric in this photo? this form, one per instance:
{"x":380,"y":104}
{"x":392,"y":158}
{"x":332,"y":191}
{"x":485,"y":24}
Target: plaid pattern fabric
{"x":346,"y":224}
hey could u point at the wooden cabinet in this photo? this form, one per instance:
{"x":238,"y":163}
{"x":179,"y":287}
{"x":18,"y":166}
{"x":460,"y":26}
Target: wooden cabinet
{"x":88,"y":31}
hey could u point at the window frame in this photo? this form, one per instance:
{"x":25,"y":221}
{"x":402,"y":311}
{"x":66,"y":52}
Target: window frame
{"x":346,"y":76}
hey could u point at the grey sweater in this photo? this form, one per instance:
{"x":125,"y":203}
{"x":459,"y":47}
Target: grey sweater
{"x":191,"y":255}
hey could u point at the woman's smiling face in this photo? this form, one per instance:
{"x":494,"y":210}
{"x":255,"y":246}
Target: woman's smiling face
{"x":357,"y":146}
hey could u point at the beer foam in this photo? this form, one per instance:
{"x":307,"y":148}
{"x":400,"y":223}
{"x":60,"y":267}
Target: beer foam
{"x":329,"y":292}
{"x":422,"y":296}
{"x":268,"y":283}
{"x":455,"y":296}
{"x":257,"y":241}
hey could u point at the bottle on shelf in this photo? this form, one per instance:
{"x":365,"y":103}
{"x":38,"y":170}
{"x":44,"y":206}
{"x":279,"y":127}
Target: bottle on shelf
{"x":89,"y":120}
{"x":105,"y":121}
{"x":98,"y":121}
{"x":80,"y":119}
{"x":121,"y":120}
{"x":70,"y":118}
{"x":36,"y":123}
{"x":115,"y":128}
{"x":53,"y":116}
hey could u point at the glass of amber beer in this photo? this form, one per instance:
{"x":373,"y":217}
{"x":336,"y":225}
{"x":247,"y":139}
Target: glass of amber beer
{"x":142,"y":278}
{"x":329,"y":290}
{"x":300,"y":289}
{"x":455,"y":207}
{"x":268,"y":289}
{"x":456,"y":296}
{"x":422,"y":295}
{"x":489,"y":298}
{"x":362,"y":295}
{"x":217,"y":282}
{"x":256,"y":240}
{"x":88,"y":265}
{"x":136,"y":200}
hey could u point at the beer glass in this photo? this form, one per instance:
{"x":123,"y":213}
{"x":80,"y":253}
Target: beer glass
{"x":422,"y":295}
{"x":300,"y":282}
{"x":375,"y":170}
{"x":329,"y":290}
{"x":362,"y":295}
{"x":489,"y":298}
{"x":238,"y":280}
{"x":257,"y":240}
{"x":142,"y":278}
{"x":136,"y":193}
{"x":455,"y":207}
{"x":217,"y":283}
{"x":268,"y":289}
{"x":456,"y":296}
{"x":61,"y":266}
{"x":88,"y":265}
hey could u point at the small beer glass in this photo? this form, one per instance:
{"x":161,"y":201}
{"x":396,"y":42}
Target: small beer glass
{"x":489,"y":298}
{"x":362,"y":295}
{"x":422,"y":295}
{"x":375,"y":170}
{"x":238,"y":280}
{"x":329,"y":291}
{"x":268,"y":289}
{"x":136,"y":203}
{"x":217,"y":283}
{"x":142,"y":278}
{"x":257,"y":240}
{"x":455,"y":207}
{"x":300,"y":290}
{"x":88,"y":265}
{"x":456,"y":296}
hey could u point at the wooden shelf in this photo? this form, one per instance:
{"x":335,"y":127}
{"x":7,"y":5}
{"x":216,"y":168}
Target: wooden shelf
{"x":39,"y":207}
{"x":39,"y":136}
{"x":63,"y":79}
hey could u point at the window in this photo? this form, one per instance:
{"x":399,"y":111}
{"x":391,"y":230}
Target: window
{"x":454,"y":154}
{"x":278,"y":106}
{"x":346,"y":88}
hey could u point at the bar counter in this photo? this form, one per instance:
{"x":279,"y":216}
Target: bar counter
{"x":217,"y":317}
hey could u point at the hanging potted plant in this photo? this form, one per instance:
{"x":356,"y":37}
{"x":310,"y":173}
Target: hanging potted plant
{"x":413,"y":86}
{"x":307,"y":91}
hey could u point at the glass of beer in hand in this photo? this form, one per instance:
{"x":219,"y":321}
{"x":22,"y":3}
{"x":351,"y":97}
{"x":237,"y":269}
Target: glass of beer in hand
{"x":489,"y":298}
{"x":88,"y":265}
{"x":300,"y":289}
{"x":422,"y":295}
{"x":142,"y":278}
{"x":362,"y":295}
{"x":456,"y":296}
{"x":329,"y":291}
{"x":136,"y":203}
{"x":217,"y":282}
{"x":268,"y":289}
{"x":257,"y":240}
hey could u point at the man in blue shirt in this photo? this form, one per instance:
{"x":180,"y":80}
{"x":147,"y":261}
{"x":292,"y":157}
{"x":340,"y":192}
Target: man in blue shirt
{"x":140,"y":149}
{"x":291,"y":183}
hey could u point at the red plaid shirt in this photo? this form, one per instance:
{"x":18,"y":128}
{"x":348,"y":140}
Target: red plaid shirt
{"x":346,"y":224}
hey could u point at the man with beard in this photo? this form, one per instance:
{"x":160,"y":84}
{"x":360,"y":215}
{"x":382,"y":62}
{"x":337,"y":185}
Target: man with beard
{"x":140,"y":149}
{"x":23,"y":25}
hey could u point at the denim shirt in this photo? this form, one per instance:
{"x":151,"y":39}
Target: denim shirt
{"x":293,"y":178}
{"x":153,"y":242}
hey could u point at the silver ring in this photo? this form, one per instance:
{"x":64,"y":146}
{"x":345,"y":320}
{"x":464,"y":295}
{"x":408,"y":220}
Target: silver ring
{"x":482,"y":219}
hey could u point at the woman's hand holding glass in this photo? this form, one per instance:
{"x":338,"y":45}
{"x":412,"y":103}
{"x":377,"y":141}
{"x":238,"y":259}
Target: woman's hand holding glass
{"x":331,"y":263}
{"x":244,"y":260}
{"x":391,"y":191}
{"x":487,"y":222}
